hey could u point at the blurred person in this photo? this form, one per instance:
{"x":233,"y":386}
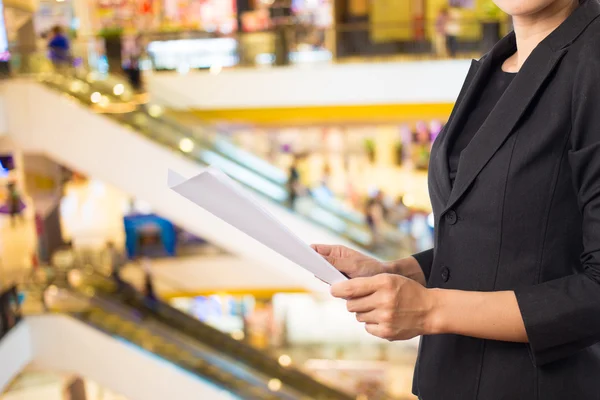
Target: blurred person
{"x":421,"y":146}
{"x":59,"y":48}
{"x":441,"y":24}
{"x":132,"y":64}
{"x":398,"y":212}
{"x":280,"y":16}
{"x":116,"y":260}
{"x":35,"y":272}
{"x":375,"y":216}
{"x":507,"y":300}
{"x":149,"y":292}
{"x":452,"y":29}
{"x":15,"y":204}
{"x":293,"y":183}
{"x":325,"y":181}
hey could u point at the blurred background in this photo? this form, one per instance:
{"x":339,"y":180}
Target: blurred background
{"x":113,"y":287}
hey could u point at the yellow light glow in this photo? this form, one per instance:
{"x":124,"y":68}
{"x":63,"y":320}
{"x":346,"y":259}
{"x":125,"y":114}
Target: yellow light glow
{"x":92,"y":77}
{"x":119,"y":89}
{"x":76,"y":86}
{"x":216,"y":69}
{"x":285,"y":360}
{"x":238,"y":335}
{"x":96,"y":97}
{"x":186,"y":145}
{"x":155,"y":110}
{"x":274,"y":385}
{"x":104,"y":101}
{"x":408,"y":200}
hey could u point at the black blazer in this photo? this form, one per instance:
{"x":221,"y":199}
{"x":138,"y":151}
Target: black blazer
{"x":524,"y":215}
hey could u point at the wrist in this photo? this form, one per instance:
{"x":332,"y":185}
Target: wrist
{"x":408,"y":267}
{"x":390,"y":267}
{"x":436,"y":318}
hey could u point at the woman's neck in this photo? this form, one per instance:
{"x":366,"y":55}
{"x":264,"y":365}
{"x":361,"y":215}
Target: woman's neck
{"x":532,"y":28}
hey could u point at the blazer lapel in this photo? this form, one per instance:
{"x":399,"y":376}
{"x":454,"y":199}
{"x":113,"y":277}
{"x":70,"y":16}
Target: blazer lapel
{"x":474,"y":79}
{"x":502,"y":120}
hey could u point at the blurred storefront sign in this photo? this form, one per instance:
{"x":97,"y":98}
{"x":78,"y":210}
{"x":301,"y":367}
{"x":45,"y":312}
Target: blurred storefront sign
{"x":193,"y":53}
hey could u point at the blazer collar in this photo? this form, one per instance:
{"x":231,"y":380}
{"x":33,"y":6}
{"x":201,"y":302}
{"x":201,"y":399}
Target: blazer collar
{"x":573,"y":26}
{"x":473,"y":80}
{"x":514,"y":102}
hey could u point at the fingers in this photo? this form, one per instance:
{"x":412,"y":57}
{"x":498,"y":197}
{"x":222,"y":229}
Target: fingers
{"x":361,"y":287}
{"x":380,"y":331}
{"x":341,"y":264}
{"x":362,"y":304}
{"x":337,"y":251}
{"x":354,"y":288}
{"x":370,"y":317}
{"x":322,"y":249}
{"x":344,"y":265}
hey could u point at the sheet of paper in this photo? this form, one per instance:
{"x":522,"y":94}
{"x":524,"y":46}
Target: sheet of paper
{"x":226,"y":199}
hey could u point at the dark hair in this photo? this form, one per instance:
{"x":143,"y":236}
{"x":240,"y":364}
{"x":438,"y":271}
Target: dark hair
{"x":57,"y":29}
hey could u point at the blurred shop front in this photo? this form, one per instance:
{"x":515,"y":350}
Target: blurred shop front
{"x":197,"y":34}
{"x":392,"y":157}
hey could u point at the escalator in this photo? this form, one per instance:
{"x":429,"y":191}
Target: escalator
{"x":205,"y":146}
{"x":122,"y":312}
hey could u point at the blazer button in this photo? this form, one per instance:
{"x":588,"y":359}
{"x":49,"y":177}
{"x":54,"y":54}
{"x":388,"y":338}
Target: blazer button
{"x":451,"y":217}
{"x":445,"y":274}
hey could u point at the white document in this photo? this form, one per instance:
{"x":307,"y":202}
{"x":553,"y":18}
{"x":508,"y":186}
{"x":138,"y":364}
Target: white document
{"x":221,"y":196}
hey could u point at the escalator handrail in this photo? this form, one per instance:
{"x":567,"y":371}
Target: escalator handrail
{"x":348,"y":231}
{"x":105,"y":87}
{"x":192,"y":327}
{"x":117,"y":304}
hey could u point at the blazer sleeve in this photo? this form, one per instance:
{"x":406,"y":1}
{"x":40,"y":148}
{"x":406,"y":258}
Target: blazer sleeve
{"x":425,"y":260}
{"x":562,"y":316}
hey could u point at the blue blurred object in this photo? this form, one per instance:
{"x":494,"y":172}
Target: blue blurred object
{"x":149,"y":235}
{"x":21,"y":297}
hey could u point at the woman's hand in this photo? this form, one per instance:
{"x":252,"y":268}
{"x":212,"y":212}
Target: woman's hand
{"x":350,"y":262}
{"x":392,"y":307}
{"x":357,"y":265}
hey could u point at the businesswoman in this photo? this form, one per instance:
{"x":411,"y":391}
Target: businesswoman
{"x":508,"y":301}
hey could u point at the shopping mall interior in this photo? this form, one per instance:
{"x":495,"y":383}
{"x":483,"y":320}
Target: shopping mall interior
{"x":323,"y":112}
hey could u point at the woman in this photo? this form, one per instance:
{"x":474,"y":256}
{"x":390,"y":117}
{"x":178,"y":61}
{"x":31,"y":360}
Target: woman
{"x":60,"y":49}
{"x":132,"y":69}
{"x":15,"y":204}
{"x":375,"y":218}
{"x":293,"y":183}
{"x":441,"y":22}
{"x":508,"y":301}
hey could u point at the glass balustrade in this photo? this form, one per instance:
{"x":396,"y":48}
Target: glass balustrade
{"x":120,"y":310}
{"x":205,"y":145}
